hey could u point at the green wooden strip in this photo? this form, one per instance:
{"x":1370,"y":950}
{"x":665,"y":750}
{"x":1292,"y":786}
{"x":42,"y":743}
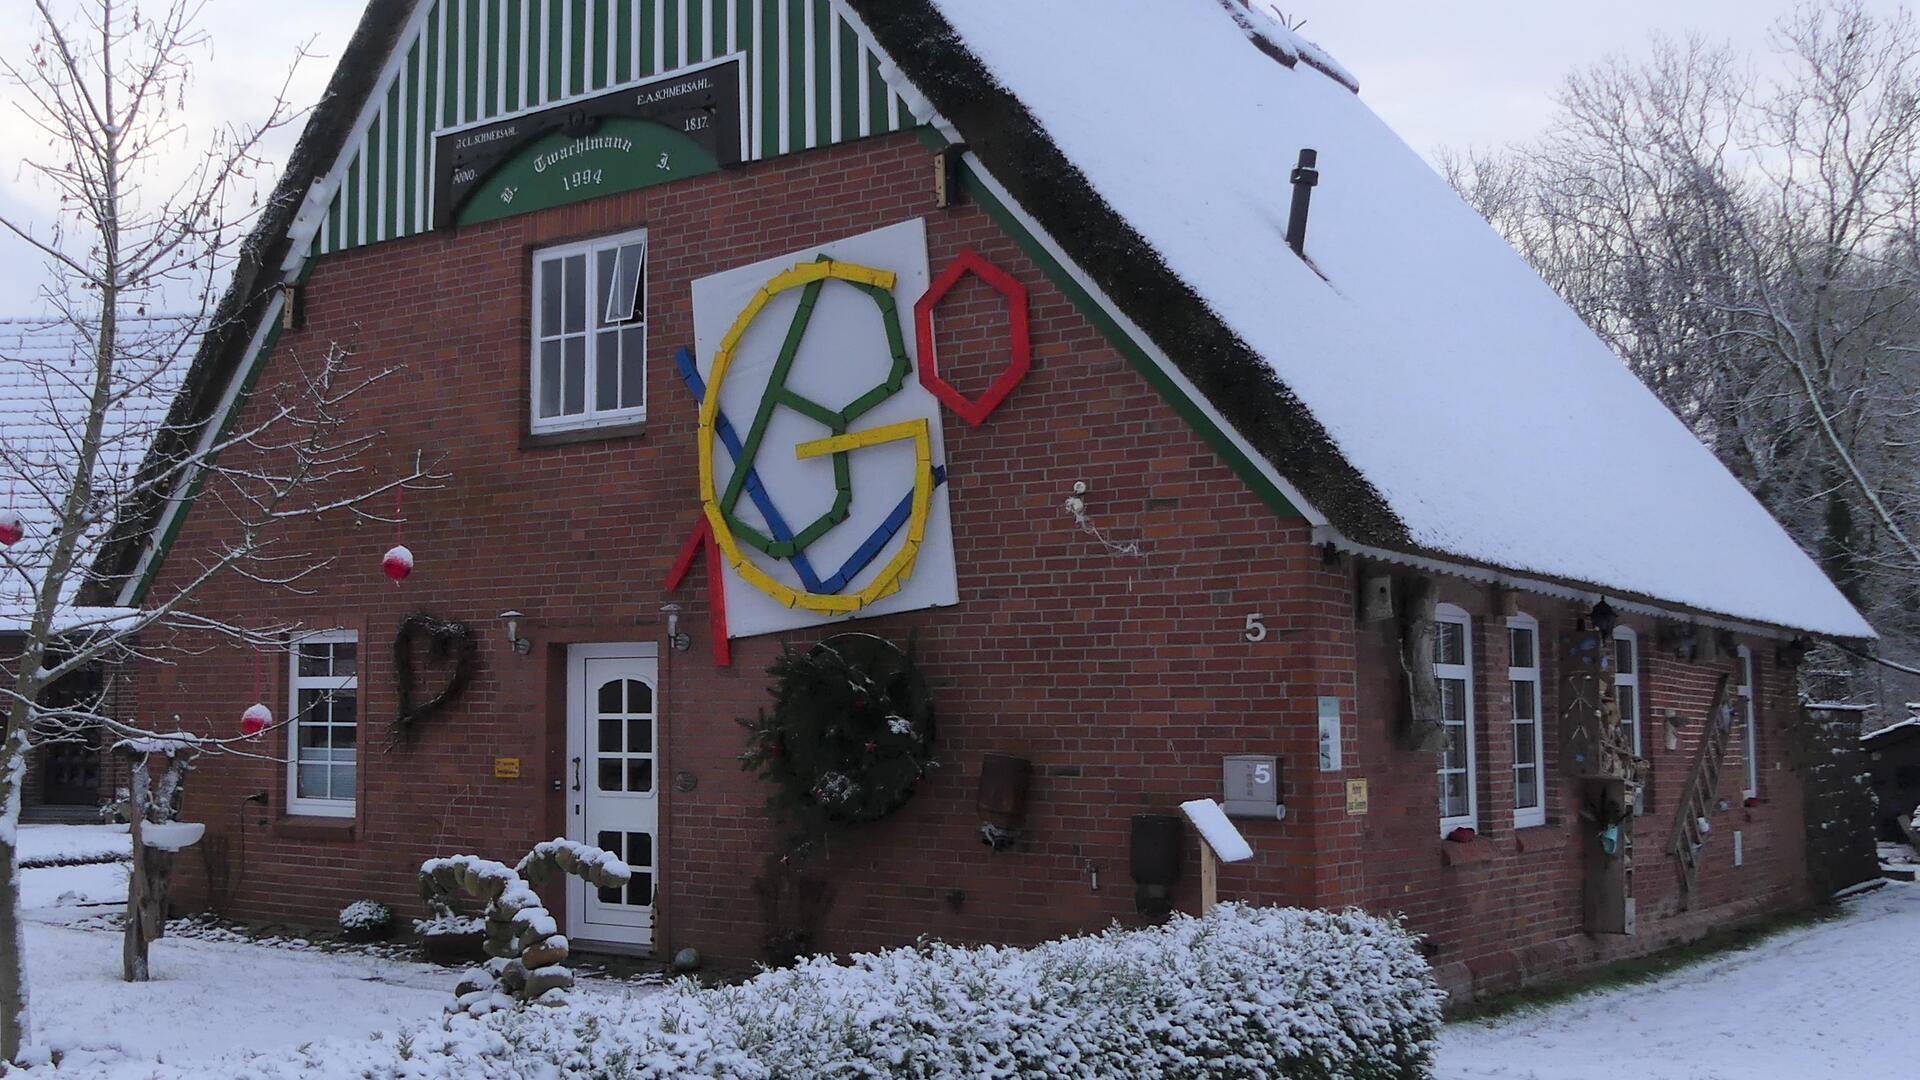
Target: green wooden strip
{"x":671,"y":37}
{"x":876,"y":96}
{"x":766,"y":50}
{"x":849,"y":44}
{"x":393,"y":153}
{"x":516,"y":92}
{"x":436,"y":100}
{"x":742,"y":27}
{"x":578,"y":83}
{"x":644,"y":63}
{"x":337,"y":221}
{"x":600,"y":57}
{"x":820,"y":94}
{"x":697,"y":45}
{"x":476,"y":64}
{"x":556,"y":17}
{"x":1123,"y":343}
{"x":354,"y":239}
{"x":623,"y":67}
{"x":796,"y":46}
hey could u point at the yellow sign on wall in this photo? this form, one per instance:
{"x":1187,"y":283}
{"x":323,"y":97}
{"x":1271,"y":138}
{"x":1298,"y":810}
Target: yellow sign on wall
{"x":506,"y":768}
{"x":1356,"y":798}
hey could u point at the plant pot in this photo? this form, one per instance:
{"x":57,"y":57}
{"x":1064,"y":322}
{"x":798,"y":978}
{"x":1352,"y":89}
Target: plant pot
{"x":454,"y":950}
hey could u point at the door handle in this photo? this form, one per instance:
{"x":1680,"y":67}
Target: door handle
{"x":576,"y":774}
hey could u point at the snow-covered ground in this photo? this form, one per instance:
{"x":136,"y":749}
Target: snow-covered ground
{"x":41,"y":844}
{"x":1832,"y":1001}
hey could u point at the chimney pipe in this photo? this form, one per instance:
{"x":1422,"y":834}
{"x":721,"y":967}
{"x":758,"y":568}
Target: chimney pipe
{"x":1305,"y":177}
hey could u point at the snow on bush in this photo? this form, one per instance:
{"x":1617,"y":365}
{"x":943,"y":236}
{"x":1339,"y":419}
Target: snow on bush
{"x":1244,"y":992}
{"x":366,"y":915}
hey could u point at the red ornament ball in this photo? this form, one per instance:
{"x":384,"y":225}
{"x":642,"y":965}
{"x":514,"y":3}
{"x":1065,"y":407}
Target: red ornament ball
{"x":256,"y":719}
{"x":11,"y":528}
{"x":398,"y":563}
{"x":872,"y":746}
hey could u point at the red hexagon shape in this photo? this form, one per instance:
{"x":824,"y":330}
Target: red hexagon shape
{"x":972,"y":262}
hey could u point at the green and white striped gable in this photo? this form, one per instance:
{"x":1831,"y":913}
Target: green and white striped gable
{"x":812,"y":78}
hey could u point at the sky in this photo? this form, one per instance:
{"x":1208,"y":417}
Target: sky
{"x":1444,"y":73}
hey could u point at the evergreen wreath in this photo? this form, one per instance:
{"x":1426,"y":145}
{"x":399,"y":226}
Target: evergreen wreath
{"x":850,"y":735}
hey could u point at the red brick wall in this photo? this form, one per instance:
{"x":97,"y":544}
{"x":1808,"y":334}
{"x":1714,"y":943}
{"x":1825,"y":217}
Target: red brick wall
{"x":1124,"y":679}
{"x":1513,"y":914}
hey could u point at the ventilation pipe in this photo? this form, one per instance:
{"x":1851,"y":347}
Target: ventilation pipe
{"x":1305,"y":177}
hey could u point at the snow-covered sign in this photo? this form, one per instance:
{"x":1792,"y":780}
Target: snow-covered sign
{"x":1217,"y":830}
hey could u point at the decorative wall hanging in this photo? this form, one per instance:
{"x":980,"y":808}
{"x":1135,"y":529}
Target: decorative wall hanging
{"x":831,"y":500}
{"x":447,"y":641}
{"x":1019,"y":346}
{"x":850,"y":734}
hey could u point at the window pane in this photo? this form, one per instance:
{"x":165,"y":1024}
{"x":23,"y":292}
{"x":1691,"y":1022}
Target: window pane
{"x":550,"y":280}
{"x":346,"y":658}
{"x":1520,"y":647}
{"x":574,"y":305}
{"x":610,"y":736}
{"x":1453,"y":795}
{"x":603,"y":274}
{"x":1449,"y":643}
{"x":313,"y":736}
{"x":315,"y":658}
{"x":610,"y":774}
{"x":639,"y":849}
{"x":549,"y":378}
{"x":573,"y":398}
{"x":1623,"y":657}
{"x":626,"y":286}
{"x":310,"y":782}
{"x":1453,"y":701}
{"x":346,"y":710}
{"x":1526,"y":794}
{"x":1523,"y":702}
{"x":633,"y":368}
{"x":609,"y":842}
{"x":1629,"y":703}
{"x":606,"y":366}
{"x":639,"y":697}
{"x":640,"y":774}
{"x":640,"y":890}
{"x":311,"y":705}
{"x":640,"y":736}
{"x":1524,"y":750}
{"x":610,"y":700}
{"x":343,"y":779}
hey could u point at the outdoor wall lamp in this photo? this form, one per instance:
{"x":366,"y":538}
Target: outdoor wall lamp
{"x":678,"y":641}
{"x":520,"y":645}
{"x":1604,"y":618}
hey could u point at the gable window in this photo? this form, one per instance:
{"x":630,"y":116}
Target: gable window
{"x":1453,"y":668}
{"x":590,"y":334}
{"x":1529,"y":740}
{"x":1745,"y":693}
{"x":1626,"y":693}
{"x":323,"y":766}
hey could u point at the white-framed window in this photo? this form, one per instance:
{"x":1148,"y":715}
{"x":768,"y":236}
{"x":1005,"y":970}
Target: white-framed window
{"x":1453,"y":668}
{"x":324,"y":724}
{"x":1529,"y":736}
{"x":1745,"y":693}
{"x":590,"y":333}
{"x":1626,"y":693}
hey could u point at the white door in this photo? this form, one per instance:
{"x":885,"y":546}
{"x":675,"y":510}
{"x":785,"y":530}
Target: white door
{"x":612,"y":790}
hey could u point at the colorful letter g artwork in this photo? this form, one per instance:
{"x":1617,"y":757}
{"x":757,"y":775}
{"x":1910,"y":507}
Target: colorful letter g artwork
{"x":831,"y":501}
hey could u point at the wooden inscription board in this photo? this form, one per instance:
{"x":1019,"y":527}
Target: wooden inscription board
{"x":652,"y":133}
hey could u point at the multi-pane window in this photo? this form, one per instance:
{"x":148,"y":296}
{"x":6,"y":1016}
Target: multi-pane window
{"x":1626,"y":693}
{"x":1529,"y":741}
{"x":1745,"y":693}
{"x":590,"y":333}
{"x":1453,"y":668}
{"x":323,"y":769}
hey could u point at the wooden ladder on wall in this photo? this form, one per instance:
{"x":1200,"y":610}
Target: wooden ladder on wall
{"x":1703,"y":785}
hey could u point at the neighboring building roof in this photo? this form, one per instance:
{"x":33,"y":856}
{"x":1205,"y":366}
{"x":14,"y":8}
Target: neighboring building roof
{"x":46,"y":387}
{"x":1418,"y":387}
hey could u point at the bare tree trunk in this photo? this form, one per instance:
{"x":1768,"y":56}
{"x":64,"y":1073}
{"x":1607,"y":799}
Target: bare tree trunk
{"x":14,"y":1020}
{"x":133,"y":947}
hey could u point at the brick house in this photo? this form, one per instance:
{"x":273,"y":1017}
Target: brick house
{"x":1373,"y":505}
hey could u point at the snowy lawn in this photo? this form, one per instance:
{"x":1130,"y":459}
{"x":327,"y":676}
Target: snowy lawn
{"x":1813,"y":1003}
{"x":42,"y":845}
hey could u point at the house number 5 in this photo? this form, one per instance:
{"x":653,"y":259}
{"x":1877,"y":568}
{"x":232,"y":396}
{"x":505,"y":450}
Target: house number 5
{"x":1256,"y":629}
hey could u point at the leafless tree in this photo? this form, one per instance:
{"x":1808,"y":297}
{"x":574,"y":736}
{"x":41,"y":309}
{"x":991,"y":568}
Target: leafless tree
{"x":150,"y":213}
{"x":1751,"y":246}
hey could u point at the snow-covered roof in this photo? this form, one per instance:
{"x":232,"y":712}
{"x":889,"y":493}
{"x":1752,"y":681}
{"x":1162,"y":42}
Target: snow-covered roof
{"x":1493,"y":425}
{"x":46,"y":384}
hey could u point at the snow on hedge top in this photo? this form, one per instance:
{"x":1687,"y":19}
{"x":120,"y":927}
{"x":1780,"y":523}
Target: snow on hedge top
{"x":1497,"y":427}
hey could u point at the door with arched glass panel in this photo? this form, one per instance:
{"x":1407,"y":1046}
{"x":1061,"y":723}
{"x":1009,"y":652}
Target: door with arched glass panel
{"x":612,"y":786}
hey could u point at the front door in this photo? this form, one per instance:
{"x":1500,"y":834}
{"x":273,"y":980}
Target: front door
{"x":612,"y":795}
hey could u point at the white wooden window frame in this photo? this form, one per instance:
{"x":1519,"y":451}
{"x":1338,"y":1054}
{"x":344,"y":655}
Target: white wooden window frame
{"x":596,"y":299}
{"x":1626,"y":688}
{"x":1517,"y":673}
{"x":296,"y":682}
{"x":1449,"y":613}
{"x":1745,"y":691}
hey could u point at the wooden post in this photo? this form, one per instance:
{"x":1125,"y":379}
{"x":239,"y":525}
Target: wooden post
{"x":1209,"y":878}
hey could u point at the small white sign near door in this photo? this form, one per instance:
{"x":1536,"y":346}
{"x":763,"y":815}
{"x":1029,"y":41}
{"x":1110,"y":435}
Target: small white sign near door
{"x":613,"y":803}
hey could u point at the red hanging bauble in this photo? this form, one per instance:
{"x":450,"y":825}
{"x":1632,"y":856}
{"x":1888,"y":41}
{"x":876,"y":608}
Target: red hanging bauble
{"x":256,"y":719}
{"x":872,"y":747}
{"x":398,"y":563}
{"x":11,"y":528}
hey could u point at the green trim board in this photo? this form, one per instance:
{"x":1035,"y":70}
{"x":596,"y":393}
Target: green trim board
{"x":1182,"y":402}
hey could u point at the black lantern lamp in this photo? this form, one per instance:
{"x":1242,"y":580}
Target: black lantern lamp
{"x":1604,"y":618}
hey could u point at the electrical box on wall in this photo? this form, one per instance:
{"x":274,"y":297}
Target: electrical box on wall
{"x":1252,"y":786}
